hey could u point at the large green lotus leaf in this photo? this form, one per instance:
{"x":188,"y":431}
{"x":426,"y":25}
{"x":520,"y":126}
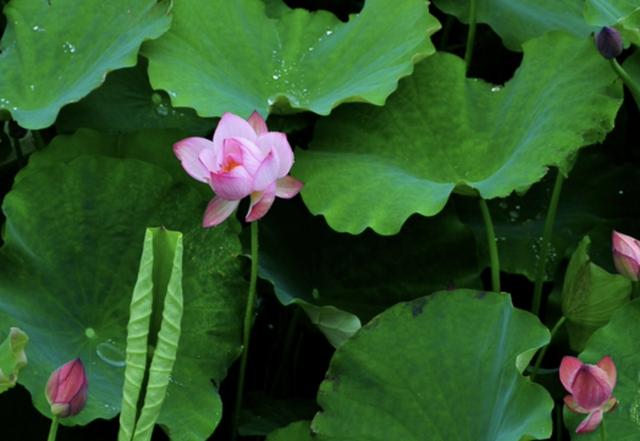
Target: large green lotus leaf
{"x":519,"y":21}
{"x":126,"y":102}
{"x":443,"y":367}
{"x":308,"y":262}
{"x":372,"y":167}
{"x":228,"y":56}
{"x":610,"y":202}
{"x":73,"y":240}
{"x":619,"y":340}
{"x":55,"y":52}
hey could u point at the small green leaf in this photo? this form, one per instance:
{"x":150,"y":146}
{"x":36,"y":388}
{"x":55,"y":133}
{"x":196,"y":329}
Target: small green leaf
{"x":590,"y":295}
{"x":522,"y":20}
{"x":618,"y":340}
{"x":440,"y":132}
{"x":55,"y":52}
{"x":443,"y":367}
{"x":229,"y":56}
{"x":298,"y":431}
{"x":12,"y":357}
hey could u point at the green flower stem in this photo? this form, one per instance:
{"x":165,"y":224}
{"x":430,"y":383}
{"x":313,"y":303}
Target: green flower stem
{"x":471,"y":35}
{"x":53,"y":430}
{"x":628,"y":81}
{"x":603,"y":434}
{"x":246,"y":331}
{"x":546,"y":241}
{"x":493,"y":246}
{"x":543,"y":351}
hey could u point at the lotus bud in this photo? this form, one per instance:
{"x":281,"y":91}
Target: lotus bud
{"x":626,"y":255}
{"x":67,"y":389}
{"x":591,"y":388}
{"x":609,"y":42}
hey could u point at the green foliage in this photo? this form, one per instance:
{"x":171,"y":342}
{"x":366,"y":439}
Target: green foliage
{"x":441,"y":133}
{"x":610,"y":202}
{"x":309,"y":264}
{"x":69,"y":264}
{"x":590,"y":295}
{"x":617,"y":340}
{"x":447,"y":366}
{"x":247,"y":61}
{"x":56,"y":52}
{"x":126,"y":103}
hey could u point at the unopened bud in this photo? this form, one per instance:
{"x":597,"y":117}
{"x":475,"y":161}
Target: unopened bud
{"x":609,"y":42}
{"x":67,"y":389}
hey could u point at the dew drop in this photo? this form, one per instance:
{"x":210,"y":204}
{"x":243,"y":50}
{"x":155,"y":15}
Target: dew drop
{"x":32,"y":87}
{"x":329,"y":32}
{"x":156,"y":99}
{"x":276,"y":76}
{"x":111,"y":353}
{"x":37,"y":28}
{"x":90,"y":333}
{"x":68,"y":48}
{"x":620,"y":191}
{"x":496,"y":89}
{"x":162,"y":110}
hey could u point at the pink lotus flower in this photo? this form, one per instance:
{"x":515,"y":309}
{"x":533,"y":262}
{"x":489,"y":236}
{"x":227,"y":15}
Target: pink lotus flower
{"x":591,"y":388}
{"x":626,"y":255}
{"x":244,"y":159}
{"x":67,"y":389}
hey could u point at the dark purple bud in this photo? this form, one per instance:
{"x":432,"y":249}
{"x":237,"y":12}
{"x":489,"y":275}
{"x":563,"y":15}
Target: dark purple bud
{"x":609,"y":42}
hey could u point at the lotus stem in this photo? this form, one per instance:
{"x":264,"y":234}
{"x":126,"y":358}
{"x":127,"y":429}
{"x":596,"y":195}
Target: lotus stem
{"x":471,"y":35}
{"x":492,"y":245}
{"x":53,"y":430}
{"x":546,"y":241}
{"x":603,"y":433}
{"x":628,"y":81}
{"x":246,"y":331}
{"x":543,"y":351}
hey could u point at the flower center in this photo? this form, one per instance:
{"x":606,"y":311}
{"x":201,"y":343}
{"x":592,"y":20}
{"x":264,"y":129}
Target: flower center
{"x":228,"y":164}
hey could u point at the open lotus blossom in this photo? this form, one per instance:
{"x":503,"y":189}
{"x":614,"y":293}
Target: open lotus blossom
{"x":67,"y":389}
{"x":591,"y":388}
{"x":243,"y":159}
{"x":626,"y":255}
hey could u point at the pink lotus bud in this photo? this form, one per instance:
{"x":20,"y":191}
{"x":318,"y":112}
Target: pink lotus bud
{"x":626,"y":255}
{"x":243,"y":159}
{"x":67,"y":389}
{"x":609,"y":42}
{"x":591,"y":388}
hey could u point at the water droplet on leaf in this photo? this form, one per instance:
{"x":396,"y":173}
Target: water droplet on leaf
{"x":111,"y":353}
